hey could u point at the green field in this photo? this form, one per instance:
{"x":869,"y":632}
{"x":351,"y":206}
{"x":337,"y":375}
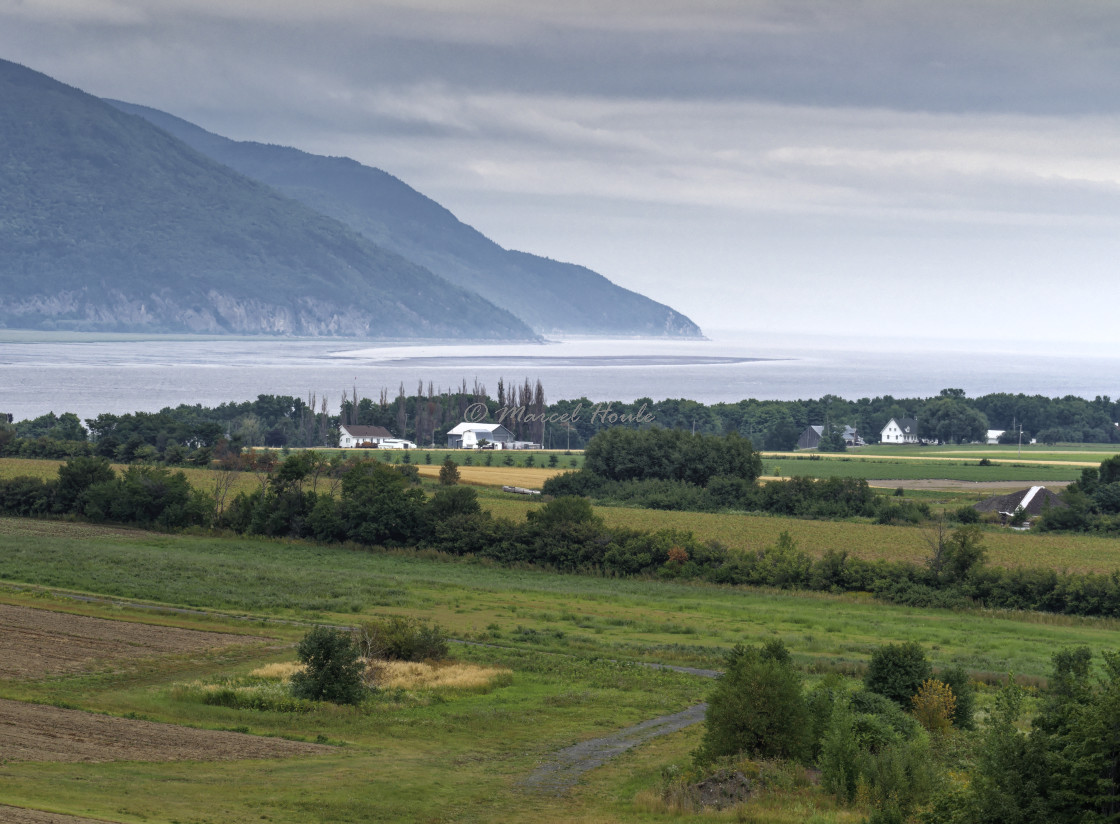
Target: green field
{"x":1006,"y":548}
{"x":874,"y":468}
{"x":437,"y":757}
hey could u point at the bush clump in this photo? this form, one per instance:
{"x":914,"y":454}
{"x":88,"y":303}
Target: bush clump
{"x":399,"y":638}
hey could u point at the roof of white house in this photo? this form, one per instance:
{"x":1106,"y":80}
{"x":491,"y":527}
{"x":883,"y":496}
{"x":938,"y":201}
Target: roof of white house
{"x":459,"y":429}
{"x":908,"y":425}
{"x":355,"y":431}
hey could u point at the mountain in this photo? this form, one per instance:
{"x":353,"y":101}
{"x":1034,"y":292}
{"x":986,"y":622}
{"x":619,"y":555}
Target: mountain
{"x":550,"y":296}
{"x":109,"y":223}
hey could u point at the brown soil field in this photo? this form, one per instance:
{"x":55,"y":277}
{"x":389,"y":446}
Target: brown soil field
{"x":33,"y":732}
{"x":38,"y":642}
{"x":19,"y":815}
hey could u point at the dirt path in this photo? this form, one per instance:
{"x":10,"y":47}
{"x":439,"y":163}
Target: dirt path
{"x":564,"y":768}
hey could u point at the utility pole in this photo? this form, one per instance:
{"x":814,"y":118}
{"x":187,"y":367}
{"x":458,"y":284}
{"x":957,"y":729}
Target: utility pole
{"x":1020,"y":440}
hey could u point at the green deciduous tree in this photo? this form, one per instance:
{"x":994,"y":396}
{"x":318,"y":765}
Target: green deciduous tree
{"x":757,"y":708}
{"x":332,"y":668}
{"x":897,"y":672}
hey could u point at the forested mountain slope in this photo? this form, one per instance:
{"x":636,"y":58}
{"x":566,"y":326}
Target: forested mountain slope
{"x":109,"y":223}
{"x":548,"y":295}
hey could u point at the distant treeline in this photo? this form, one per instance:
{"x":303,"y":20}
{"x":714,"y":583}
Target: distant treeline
{"x":192,"y":433}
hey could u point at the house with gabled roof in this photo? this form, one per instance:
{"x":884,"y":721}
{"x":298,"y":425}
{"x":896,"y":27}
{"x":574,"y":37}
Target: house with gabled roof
{"x":811,"y":437}
{"x":352,"y":436}
{"x":901,"y":430}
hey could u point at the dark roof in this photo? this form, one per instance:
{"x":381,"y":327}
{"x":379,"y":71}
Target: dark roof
{"x":367,"y":431}
{"x":907,"y":425}
{"x":1009,"y":503}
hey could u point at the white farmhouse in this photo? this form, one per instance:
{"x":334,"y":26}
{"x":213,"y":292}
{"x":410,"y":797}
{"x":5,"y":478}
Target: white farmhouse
{"x":469,"y":435}
{"x":351,"y":436}
{"x":903,"y":430}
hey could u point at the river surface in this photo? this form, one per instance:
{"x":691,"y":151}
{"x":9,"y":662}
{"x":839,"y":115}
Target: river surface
{"x":88,"y":377}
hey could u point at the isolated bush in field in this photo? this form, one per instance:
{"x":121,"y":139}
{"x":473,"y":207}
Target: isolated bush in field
{"x":757,"y":708}
{"x":897,"y":672}
{"x":449,"y":472}
{"x":332,"y":668}
{"x":934,"y":705}
{"x":399,"y":638}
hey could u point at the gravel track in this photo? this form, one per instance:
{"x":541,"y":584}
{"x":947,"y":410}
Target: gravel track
{"x":564,"y":768}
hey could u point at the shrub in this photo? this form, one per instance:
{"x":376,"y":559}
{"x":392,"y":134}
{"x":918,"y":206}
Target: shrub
{"x":757,"y":708}
{"x":449,"y":472}
{"x":967,"y":515}
{"x":934,"y":705}
{"x":332,"y":668}
{"x":897,"y":672}
{"x":399,"y":638}
{"x":964,"y":697}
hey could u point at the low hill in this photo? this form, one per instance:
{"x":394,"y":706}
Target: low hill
{"x":548,"y":295}
{"x":109,"y":223}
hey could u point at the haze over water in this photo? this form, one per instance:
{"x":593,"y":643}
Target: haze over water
{"x":88,"y":378}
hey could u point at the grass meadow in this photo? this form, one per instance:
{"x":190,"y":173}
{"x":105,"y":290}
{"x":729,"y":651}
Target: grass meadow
{"x":570,"y":642}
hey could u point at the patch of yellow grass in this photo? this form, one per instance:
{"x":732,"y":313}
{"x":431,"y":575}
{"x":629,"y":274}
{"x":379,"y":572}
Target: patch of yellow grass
{"x":529,"y":477}
{"x":411,"y":675}
{"x":281,"y":671}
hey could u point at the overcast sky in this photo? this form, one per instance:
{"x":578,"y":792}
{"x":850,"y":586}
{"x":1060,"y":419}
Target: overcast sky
{"x":935,"y":169}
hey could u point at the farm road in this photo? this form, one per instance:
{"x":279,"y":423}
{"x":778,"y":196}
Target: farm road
{"x":564,"y":768}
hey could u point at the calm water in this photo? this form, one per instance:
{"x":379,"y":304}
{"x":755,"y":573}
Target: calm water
{"x":92,"y":377}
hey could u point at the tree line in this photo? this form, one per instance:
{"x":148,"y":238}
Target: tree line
{"x":192,"y":433}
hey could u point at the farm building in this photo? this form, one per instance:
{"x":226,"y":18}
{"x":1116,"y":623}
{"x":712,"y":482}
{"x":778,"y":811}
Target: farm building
{"x":470,"y":435}
{"x":902,"y":430}
{"x":351,"y":436}
{"x":1032,"y":501}
{"x":811,"y":437}
{"x":994,"y":435}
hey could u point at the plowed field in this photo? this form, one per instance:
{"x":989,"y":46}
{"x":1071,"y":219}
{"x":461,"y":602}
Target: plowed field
{"x":37,"y":642}
{"x":33,"y":732}
{"x":18,"y":815}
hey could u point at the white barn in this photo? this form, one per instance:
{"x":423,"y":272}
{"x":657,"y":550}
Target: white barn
{"x":469,"y":435}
